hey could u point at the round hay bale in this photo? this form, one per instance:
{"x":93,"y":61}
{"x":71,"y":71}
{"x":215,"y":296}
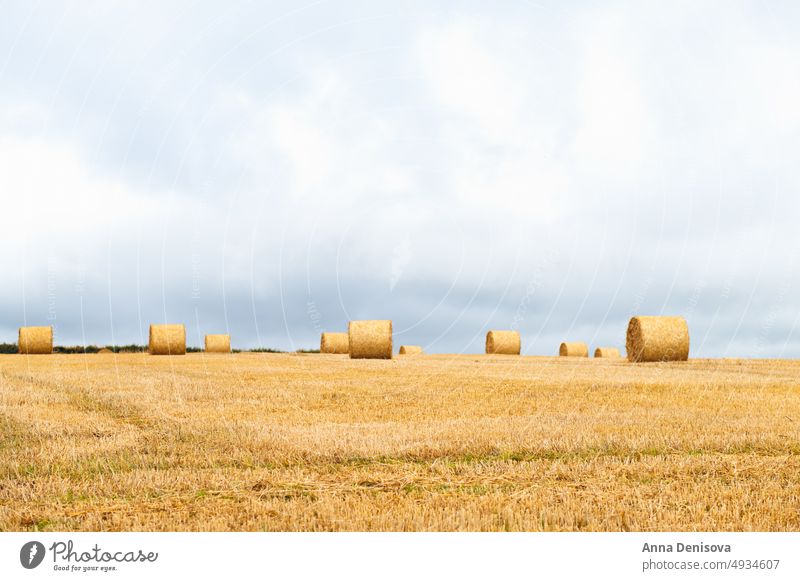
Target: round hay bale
{"x":503,"y":343}
{"x":410,"y":350}
{"x":167,"y":340}
{"x":104,"y":351}
{"x":370,"y":339}
{"x":35,"y":340}
{"x":657,"y":339}
{"x":334,"y":343}
{"x":218,"y":343}
{"x":573,"y":350}
{"x":607,"y":353}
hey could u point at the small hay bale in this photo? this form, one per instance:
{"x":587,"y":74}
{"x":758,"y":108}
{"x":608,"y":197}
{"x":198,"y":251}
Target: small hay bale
{"x":104,"y":351}
{"x":607,"y":353}
{"x":370,"y":339}
{"x":334,"y":343}
{"x":410,"y":350}
{"x":35,"y":340}
{"x":573,"y":350}
{"x":218,"y":343}
{"x":657,"y":339}
{"x":503,"y":343}
{"x":167,"y":340}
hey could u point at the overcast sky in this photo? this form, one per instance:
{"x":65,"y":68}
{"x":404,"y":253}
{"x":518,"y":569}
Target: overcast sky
{"x":276,"y":169}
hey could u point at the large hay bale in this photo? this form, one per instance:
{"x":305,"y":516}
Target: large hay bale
{"x":657,"y":339}
{"x":104,"y":351}
{"x":503,"y":343}
{"x":167,"y":340}
{"x":573,"y":350}
{"x":334,"y":343}
{"x":370,"y":339}
{"x":218,"y":343}
{"x":35,"y":340}
{"x":410,"y":350}
{"x":607,"y":353}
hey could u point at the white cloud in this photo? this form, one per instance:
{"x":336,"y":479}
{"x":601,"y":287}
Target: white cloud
{"x":614,"y":122}
{"x":466,"y":80}
{"x":54,"y":203}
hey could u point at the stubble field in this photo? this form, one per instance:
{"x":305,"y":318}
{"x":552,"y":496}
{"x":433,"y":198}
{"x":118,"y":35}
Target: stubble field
{"x":320,"y":442}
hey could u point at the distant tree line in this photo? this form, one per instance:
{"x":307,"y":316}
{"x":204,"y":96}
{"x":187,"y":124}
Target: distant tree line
{"x":6,"y":348}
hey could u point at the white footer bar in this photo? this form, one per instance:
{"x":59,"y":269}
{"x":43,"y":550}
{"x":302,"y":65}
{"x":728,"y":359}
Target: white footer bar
{"x":418,"y":556}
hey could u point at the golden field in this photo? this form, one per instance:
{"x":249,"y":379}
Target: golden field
{"x":470,"y":442}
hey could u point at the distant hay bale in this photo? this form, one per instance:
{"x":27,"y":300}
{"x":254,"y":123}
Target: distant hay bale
{"x":657,"y":339}
{"x":334,"y":343}
{"x":167,"y":340}
{"x":573,"y":350}
{"x":410,"y":350}
{"x":35,"y":340}
{"x":370,"y":339}
{"x":218,"y":343}
{"x":104,"y":351}
{"x":607,"y":353}
{"x":503,"y":343}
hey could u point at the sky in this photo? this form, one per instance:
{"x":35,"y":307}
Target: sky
{"x":276,"y":169}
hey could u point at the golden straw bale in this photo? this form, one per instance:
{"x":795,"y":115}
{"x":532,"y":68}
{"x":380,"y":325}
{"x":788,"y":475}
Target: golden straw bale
{"x":167,"y":340}
{"x":370,"y":339}
{"x":104,"y":351}
{"x":334,"y":343}
{"x":35,"y":340}
{"x":410,"y":350}
{"x":607,"y":352}
{"x":573,"y":350}
{"x":503,"y":342}
{"x":657,"y":339}
{"x":218,"y":343}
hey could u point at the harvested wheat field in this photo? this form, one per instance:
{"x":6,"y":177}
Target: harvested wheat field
{"x":321,"y":442}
